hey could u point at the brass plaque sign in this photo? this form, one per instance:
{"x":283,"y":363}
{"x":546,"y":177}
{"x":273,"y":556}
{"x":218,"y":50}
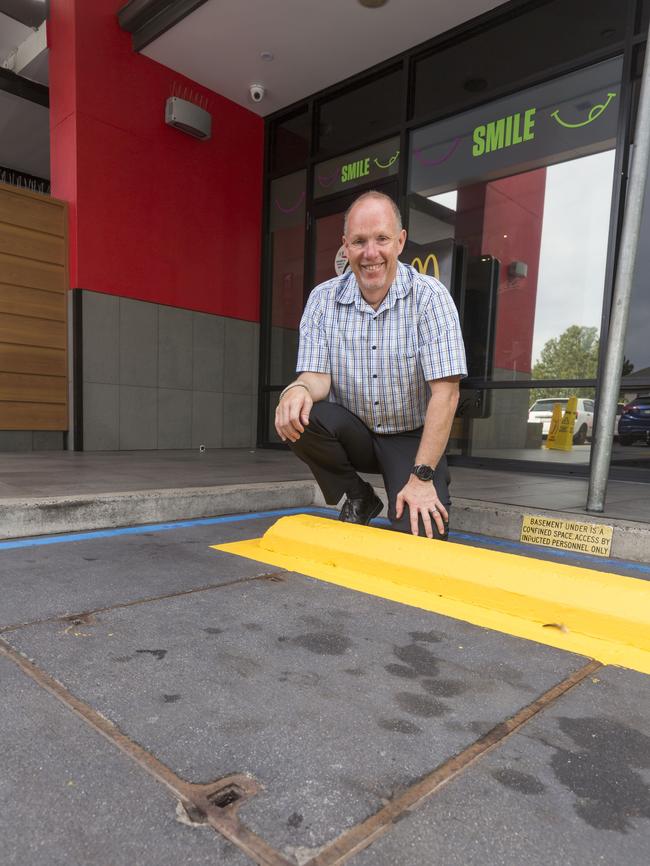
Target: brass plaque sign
{"x":593,"y":538}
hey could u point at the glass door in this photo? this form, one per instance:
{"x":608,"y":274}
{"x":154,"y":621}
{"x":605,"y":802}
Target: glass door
{"x":325,"y":260}
{"x":522,"y":187}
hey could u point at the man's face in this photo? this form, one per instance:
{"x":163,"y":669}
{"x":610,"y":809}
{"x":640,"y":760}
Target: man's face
{"x":373,"y":243}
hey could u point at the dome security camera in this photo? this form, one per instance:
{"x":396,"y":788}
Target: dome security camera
{"x":257,"y":92}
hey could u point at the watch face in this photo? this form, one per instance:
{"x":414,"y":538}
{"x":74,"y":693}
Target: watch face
{"x":424,"y":473}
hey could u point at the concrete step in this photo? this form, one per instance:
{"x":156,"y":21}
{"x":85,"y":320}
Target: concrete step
{"x":32,"y":516}
{"x":21,"y":518}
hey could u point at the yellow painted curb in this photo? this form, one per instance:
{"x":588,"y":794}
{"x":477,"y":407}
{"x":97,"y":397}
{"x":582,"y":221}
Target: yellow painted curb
{"x":604,"y":616}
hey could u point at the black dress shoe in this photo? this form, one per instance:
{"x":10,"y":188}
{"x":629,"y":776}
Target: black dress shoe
{"x":361,"y":510}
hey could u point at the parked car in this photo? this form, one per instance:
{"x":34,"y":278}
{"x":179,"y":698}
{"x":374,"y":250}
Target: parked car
{"x":619,"y":412}
{"x":542,"y":410}
{"x":634,"y":423}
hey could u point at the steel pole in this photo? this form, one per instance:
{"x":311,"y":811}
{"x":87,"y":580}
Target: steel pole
{"x":613,"y":366}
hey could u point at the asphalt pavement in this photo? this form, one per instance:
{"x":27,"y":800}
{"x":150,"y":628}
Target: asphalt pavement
{"x":166,"y":703}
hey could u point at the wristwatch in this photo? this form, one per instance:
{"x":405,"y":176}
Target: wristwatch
{"x":423,"y":472}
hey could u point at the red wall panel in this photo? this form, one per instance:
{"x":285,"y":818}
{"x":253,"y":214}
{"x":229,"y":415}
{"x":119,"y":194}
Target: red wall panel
{"x":503,"y":218}
{"x":157,"y":215}
{"x":514,"y":211}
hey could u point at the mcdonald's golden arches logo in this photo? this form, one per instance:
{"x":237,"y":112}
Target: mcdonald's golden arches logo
{"x":431,"y":259}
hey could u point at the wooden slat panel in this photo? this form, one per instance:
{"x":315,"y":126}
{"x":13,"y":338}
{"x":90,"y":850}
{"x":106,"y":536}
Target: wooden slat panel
{"x":35,"y":275}
{"x":19,"y":388}
{"x":28,"y":359}
{"x":33,"y":416}
{"x":19,"y":241}
{"x":25,"y":331}
{"x":30,"y":193}
{"x":40,"y":214}
{"x":19,"y":300}
{"x":33,"y":311}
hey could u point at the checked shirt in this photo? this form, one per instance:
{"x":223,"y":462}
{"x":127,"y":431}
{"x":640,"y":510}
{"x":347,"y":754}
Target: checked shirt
{"x":381,"y":360}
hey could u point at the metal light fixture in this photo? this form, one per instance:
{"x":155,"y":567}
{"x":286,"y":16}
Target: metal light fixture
{"x":373,"y":4}
{"x":188,"y":117}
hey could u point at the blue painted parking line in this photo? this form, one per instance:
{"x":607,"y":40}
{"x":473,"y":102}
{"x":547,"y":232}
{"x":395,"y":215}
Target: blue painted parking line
{"x":574,"y":558}
{"x":155,"y":527}
{"x":481,"y":540}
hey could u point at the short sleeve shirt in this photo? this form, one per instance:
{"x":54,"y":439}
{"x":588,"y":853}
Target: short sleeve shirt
{"x":381,"y":360}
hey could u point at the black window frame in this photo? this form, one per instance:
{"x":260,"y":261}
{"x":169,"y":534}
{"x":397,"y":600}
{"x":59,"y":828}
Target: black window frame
{"x":408,"y":60}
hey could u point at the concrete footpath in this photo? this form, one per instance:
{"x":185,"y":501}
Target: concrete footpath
{"x":59,"y":492}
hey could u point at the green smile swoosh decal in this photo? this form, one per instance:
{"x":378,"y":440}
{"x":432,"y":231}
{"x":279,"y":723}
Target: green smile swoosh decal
{"x":594,"y":114}
{"x":390,"y":162}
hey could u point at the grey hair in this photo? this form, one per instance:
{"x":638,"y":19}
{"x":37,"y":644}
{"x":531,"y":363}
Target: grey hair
{"x":381,"y":196}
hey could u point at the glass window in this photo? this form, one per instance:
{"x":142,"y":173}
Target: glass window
{"x":633,"y":429}
{"x":514,"y":424}
{"x":291,"y":141}
{"x":563,"y":30}
{"x":271,"y":434}
{"x":328,"y":250}
{"x":511,"y":204}
{"x":287,"y":227}
{"x":636,"y":366}
{"x":369,"y":165}
{"x":361,"y":114}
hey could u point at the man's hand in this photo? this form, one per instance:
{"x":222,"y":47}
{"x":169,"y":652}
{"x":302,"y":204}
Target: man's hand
{"x":422,"y":499}
{"x":292,"y":413}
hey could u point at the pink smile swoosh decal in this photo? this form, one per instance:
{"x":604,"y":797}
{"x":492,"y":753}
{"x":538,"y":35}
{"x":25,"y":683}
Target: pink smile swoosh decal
{"x":293,"y":208}
{"x":448,"y":155}
{"x":327,"y":181}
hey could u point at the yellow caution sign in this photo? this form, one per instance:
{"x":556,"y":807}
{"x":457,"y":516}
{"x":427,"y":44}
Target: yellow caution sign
{"x":555,"y":425}
{"x":563,"y":439}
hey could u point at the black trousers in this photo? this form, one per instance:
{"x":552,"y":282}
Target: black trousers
{"x":336,"y":445}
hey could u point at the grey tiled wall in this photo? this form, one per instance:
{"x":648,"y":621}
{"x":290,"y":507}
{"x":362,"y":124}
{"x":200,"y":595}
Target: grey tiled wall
{"x":157,"y":377}
{"x":31,"y":440}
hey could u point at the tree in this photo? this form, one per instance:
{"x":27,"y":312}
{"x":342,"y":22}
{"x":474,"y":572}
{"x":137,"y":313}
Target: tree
{"x":572,"y":355}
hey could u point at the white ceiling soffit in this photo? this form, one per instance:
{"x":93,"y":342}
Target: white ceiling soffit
{"x":37,"y":67}
{"x":24,"y":135}
{"x":23,"y":50}
{"x":314,"y":45}
{"x":12,"y":34}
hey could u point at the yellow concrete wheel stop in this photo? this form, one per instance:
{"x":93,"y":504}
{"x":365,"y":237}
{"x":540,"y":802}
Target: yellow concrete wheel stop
{"x":593,"y":613}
